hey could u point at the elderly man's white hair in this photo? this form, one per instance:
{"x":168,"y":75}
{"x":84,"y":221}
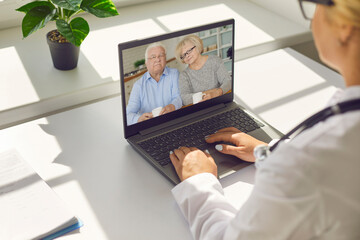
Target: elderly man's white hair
{"x":155,"y":44}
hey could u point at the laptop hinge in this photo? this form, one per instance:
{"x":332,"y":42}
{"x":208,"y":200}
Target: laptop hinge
{"x":179,"y":120}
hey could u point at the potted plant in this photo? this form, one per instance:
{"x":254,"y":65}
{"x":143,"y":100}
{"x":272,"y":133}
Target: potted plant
{"x":140,"y":64}
{"x":64,"y":42}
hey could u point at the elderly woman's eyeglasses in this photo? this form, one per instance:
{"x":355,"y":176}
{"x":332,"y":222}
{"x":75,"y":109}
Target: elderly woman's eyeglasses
{"x":308,"y":7}
{"x":187,"y":53}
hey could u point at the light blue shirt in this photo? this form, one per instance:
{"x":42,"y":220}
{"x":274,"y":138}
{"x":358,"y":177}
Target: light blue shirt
{"x":148,"y":94}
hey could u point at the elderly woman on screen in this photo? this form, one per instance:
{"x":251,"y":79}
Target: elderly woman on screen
{"x":206,"y":74}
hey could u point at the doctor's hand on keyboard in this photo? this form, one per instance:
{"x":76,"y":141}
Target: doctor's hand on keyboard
{"x":191,"y":161}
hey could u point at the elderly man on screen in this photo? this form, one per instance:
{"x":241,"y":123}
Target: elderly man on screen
{"x":158,"y":87}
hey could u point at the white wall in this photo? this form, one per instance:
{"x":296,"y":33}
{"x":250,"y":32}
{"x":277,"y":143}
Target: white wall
{"x":286,"y":8}
{"x":11,"y":18}
{"x":289,"y":9}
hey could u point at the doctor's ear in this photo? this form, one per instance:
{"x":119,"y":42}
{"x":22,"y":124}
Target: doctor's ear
{"x":345,"y":33}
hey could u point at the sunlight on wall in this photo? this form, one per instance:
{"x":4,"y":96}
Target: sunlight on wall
{"x":273,"y":89}
{"x":104,"y":57}
{"x":14,"y":91}
{"x":314,"y":102}
{"x":279,"y":82}
{"x":181,"y":20}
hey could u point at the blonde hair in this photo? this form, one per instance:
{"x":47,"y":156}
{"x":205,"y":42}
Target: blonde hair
{"x":345,"y":11}
{"x":194,"y":39}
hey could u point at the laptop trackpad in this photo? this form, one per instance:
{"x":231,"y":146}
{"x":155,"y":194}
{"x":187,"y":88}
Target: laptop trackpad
{"x":227,"y":164}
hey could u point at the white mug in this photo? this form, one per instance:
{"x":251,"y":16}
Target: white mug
{"x":156,"y":111}
{"x":197,"y":97}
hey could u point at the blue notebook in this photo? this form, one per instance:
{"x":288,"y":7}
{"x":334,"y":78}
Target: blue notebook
{"x":71,"y":228}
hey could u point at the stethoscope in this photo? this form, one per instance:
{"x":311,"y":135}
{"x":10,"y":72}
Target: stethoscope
{"x":263,"y":151}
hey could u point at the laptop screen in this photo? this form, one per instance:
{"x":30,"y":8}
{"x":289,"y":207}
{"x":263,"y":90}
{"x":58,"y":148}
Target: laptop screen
{"x":175,"y":74}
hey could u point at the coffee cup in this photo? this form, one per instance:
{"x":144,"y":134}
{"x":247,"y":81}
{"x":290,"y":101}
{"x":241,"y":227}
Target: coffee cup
{"x":156,"y":111}
{"x":197,"y":97}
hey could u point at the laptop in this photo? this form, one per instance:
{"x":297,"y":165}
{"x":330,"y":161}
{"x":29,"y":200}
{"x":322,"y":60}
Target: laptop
{"x":155,"y":137}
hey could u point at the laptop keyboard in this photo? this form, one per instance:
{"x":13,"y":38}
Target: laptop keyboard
{"x":193,"y":135}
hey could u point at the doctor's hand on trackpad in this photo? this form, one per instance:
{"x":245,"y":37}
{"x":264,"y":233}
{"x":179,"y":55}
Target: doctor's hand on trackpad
{"x":244,"y":143}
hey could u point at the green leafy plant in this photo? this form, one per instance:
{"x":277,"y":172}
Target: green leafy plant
{"x":74,"y":29}
{"x":139,"y":63}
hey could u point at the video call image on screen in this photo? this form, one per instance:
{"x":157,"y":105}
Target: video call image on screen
{"x":165,"y":76}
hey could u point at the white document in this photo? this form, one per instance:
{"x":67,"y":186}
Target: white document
{"x":29,"y":208}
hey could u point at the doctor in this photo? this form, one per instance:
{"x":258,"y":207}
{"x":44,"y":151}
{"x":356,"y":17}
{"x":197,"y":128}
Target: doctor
{"x":308,"y":188}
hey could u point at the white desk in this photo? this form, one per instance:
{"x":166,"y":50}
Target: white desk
{"x":31,"y":87}
{"x":82,"y":155}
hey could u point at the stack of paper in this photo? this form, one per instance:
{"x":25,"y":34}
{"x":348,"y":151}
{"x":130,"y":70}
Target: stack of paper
{"x":29,"y":208}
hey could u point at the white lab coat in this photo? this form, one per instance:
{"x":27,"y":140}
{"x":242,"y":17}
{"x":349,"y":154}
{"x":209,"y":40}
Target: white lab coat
{"x":308,"y":188}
